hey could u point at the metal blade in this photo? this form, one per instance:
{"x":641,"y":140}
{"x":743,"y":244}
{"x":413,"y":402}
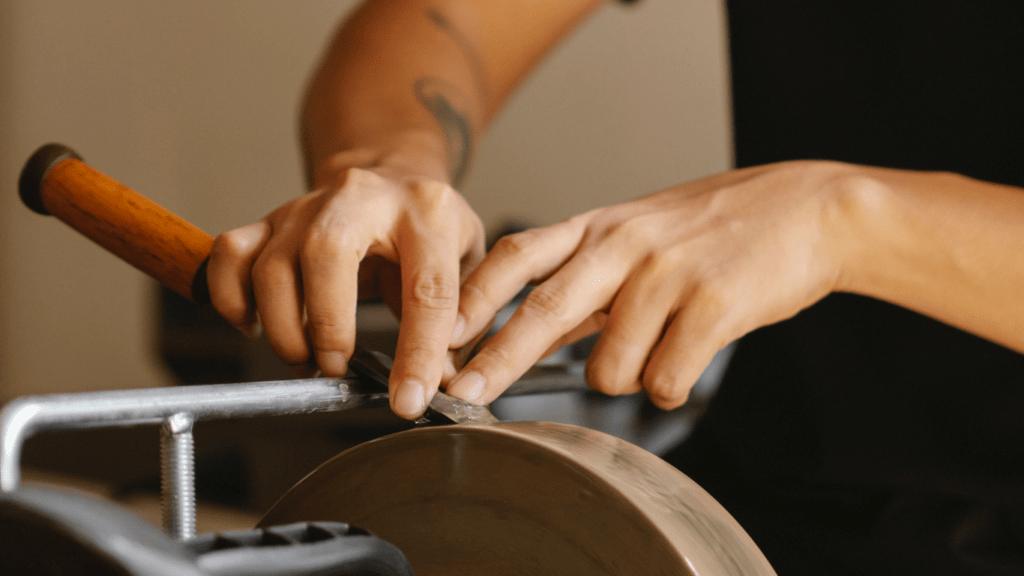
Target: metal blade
{"x":443,"y":409}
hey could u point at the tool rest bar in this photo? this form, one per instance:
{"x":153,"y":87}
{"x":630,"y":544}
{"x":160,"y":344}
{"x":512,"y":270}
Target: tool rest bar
{"x":176,"y":408}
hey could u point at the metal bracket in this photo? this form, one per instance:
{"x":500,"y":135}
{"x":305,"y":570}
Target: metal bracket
{"x":176,"y":409}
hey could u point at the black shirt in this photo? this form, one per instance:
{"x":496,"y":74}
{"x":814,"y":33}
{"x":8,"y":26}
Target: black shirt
{"x":859,"y":437}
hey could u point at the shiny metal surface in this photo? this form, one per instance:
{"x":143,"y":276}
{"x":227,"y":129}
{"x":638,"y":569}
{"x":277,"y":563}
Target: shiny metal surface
{"x":178,"y":477}
{"x":23,"y":417}
{"x":443,"y":409}
{"x":532,"y":498}
{"x":458,"y":411}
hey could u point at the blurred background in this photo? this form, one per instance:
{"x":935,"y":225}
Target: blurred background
{"x":194,"y":104}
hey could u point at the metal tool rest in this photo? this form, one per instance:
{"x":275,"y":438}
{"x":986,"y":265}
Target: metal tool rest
{"x":177,"y":409}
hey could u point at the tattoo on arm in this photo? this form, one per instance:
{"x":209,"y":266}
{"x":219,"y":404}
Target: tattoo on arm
{"x":437,"y":96}
{"x":458,"y":132}
{"x":464,"y":46}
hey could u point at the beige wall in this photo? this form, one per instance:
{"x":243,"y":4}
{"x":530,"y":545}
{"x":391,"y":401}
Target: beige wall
{"x":193,"y":103}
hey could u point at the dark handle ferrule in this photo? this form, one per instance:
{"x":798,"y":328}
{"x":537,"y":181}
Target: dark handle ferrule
{"x":36,"y":170}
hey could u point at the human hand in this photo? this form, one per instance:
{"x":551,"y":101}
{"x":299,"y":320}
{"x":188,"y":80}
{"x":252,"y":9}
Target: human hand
{"x":670,"y":279}
{"x":365,"y":233}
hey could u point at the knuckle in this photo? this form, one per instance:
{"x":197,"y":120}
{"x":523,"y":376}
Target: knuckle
{"x":605,"y":377}
{"x":434,"y":290}
{"x":666,"y":391}
{"x":548,"y":303}
{"x":418,"y":356}
{"x":271,"y":271}
{"x":496,"y":357}
{"x":421,"y":351}
{"x":515,"y":247}
{"x":432,"y":193}
{"x":709,"y":300}
{"x":664,"y":263}
{"x":326,"y":243}
{"x":230,"y":244}
{"x":326,"y":330}
{"x":637,"y":232}
{"x":434,"y":206}
{"x":356,"y":177}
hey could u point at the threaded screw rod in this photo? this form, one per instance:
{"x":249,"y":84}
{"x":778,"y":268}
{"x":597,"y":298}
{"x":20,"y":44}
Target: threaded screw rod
{"x":177,"y":476}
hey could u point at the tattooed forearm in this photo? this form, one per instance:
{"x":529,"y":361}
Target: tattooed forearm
{"x":464,"y":46}
{"x":440,"y":97}
{"x":458,"y":132}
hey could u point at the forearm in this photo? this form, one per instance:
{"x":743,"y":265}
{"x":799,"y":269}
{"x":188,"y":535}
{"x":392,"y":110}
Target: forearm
{"x":941,"y":244}
{"x":413,"y":84}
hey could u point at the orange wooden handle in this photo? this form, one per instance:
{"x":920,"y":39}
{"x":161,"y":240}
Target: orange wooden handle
{"x":146,"y":235}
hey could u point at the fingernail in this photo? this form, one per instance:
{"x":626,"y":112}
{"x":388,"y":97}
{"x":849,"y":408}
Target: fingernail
{"x":469,"y":386}
{"x":409,"y":400}
{"x":332,"y":363}
{"x":459,"y":328}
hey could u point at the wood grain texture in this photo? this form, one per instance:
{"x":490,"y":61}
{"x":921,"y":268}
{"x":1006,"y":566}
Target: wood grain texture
{"x":136,"y":229}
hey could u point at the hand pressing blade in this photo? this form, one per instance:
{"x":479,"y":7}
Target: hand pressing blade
{"x":442,"y":408}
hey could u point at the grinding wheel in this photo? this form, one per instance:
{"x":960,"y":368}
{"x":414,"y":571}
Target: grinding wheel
{"x":525,"y":498}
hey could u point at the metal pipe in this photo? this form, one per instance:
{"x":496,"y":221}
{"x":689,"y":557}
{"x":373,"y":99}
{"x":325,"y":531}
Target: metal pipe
{"x":26,"y":416}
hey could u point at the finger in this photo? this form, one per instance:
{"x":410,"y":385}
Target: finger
{"x":636,"y":321}
{"x":451,"y":366}
{"x":430,"y":288}
{"x":514,"y":261}
{"x":593,"y":323}
{"x":473,"y":248}
{"x":387,"y":276}
{"x":473,"y":252}
{"x":278,"y":292}
{"x":584,"y":285}
{"x":459,"y":356}
{"x":229,"y":275}
{"x":704,"y":325}
{"x":330,"y":269}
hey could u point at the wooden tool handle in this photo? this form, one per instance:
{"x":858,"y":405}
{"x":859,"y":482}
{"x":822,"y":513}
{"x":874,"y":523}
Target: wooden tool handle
{"x":56,"y":181}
